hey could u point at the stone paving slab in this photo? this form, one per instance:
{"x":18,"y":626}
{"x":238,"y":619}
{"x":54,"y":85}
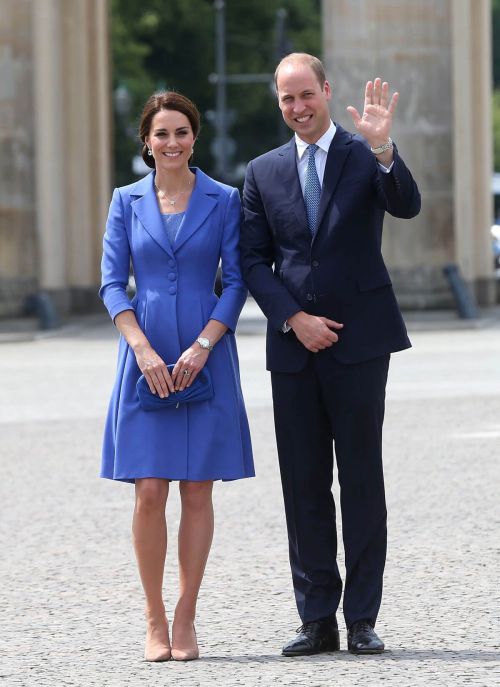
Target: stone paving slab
{"x":71,"y":604}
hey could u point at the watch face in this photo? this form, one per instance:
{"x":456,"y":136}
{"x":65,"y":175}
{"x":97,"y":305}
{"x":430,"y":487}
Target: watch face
{"x":204,"y":343}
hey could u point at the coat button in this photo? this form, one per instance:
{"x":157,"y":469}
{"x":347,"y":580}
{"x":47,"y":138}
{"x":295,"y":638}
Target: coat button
{"x":172,"y":290}
{"x":171,"y":263}
{"x":315,"y":263}
{"x":309,"y":297}
{"x":172,"y":276}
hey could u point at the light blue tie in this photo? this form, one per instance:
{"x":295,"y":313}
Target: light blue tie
{"x":312,"y":189}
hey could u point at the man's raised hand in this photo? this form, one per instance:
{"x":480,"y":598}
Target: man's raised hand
{"x":376,"y":121}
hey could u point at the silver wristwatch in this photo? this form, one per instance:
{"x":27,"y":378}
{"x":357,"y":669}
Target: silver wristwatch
{"x":381,"y":149}
{"x":204,"y":343}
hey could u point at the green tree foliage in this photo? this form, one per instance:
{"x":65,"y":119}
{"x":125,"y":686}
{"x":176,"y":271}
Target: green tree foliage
{"x":158,"y":44}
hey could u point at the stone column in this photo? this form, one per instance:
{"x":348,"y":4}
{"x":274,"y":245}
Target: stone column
{"x":102,"y":122}
{"x":18,"y":258}
{"x":50,"y":144}
{"x":422,"y":47}
{"x":472,"y":145}
{"x":87,"y":95}
{"x":78,"y":142}
{"x":73,"y":153}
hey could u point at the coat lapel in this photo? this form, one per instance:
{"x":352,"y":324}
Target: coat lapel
{"x":291,"y":182}
{"x":203,"y":200}
{"x":337,"y":155}
{"x":147,"y":211}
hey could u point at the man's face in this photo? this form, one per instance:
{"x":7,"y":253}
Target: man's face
{"x":302,"y":101}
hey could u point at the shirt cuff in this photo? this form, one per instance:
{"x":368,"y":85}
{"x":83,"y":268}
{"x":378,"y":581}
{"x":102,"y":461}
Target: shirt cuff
{"x":384,"y":169}
{"x":285,"y":327}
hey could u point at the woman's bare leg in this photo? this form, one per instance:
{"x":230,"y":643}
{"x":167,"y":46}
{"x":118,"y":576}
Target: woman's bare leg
{"x":149,"y":533}
{"x":195,"y":539}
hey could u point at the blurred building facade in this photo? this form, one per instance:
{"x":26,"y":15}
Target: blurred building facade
{"x":55,"y":126}
{"x":55,"y":164}
{"x":437,"y":54}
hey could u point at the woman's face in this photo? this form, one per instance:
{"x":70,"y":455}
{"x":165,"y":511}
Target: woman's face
{"x":171,"y":140}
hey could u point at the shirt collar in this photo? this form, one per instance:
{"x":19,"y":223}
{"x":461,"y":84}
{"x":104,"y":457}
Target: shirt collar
{"x":323,"y":142}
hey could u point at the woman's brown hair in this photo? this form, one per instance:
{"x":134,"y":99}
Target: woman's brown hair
{"x":165,"y":100}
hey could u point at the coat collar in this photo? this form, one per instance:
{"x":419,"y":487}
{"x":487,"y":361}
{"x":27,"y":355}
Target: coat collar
{"x":201,"y":203}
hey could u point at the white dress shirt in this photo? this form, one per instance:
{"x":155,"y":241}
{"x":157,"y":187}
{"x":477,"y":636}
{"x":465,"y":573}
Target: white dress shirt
{"x":320,"y":158}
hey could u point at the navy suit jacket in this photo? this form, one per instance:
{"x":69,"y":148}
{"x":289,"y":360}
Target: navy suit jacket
{"x":340,"y":273}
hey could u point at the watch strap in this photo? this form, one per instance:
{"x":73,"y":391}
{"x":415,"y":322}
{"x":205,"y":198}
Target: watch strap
{"x":205,"y":343}
{"x":381,"y":149}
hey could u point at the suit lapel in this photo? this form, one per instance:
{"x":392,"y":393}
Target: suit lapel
{"x":337,"y":155}
{"x":291,"y":182}
{"x":147,"y":211}
{"x":203,"y":200}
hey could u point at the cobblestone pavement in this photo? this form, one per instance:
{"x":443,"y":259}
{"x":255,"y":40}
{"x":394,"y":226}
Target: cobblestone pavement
{"x":71,"y":605}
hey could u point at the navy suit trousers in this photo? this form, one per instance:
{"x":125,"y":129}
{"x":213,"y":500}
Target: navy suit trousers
{"x":331,"y":407}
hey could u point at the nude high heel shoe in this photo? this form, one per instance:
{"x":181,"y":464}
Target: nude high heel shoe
{"x":156,"y":649}
{"x":187,"y":652}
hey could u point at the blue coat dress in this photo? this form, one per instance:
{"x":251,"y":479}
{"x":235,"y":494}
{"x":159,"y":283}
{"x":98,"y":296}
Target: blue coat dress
{"x":174,"y":300}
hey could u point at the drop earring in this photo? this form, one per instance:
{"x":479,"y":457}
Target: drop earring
{"x":149,"y":151}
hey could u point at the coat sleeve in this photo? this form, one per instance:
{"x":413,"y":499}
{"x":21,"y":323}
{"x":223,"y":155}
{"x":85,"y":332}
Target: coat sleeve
{"x":115,"y":263}
{"x":258,"y":257}
{"x":397,"y":189}
{"x":234,"y":293}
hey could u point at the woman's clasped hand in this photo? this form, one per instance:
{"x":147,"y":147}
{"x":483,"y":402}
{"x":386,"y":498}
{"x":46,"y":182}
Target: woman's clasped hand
{"x":184,"y":373}
{"x":155,"y":371}
{"x":188,"y":366}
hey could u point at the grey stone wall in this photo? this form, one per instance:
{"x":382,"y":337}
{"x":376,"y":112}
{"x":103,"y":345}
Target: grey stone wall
{"x":18,"y":264}
{"x":409,"y":44}
{"x":54,"y":151}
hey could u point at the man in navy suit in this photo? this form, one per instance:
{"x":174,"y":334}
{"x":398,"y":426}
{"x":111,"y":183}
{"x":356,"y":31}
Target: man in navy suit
{"x":311,"y":257}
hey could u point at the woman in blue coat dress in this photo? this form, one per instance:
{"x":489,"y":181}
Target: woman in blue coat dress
{"x":175,"y":226}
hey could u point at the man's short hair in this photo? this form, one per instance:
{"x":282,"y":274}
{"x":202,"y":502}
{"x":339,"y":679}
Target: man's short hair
{"x":304,"y":58}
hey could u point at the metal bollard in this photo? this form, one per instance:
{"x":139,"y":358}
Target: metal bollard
{"x":464,"y":298}
{"x":42,"y":305}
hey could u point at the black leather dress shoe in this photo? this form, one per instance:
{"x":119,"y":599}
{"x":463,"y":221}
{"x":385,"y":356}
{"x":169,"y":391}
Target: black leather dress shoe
{"x":314,"y":637}
{"x":362,"y":639}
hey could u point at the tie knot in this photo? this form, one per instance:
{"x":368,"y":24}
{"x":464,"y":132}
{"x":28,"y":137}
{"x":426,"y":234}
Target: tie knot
{"x":311,"y":149}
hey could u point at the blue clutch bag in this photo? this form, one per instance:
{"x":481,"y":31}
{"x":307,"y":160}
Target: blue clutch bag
{"x":200,"y":390}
